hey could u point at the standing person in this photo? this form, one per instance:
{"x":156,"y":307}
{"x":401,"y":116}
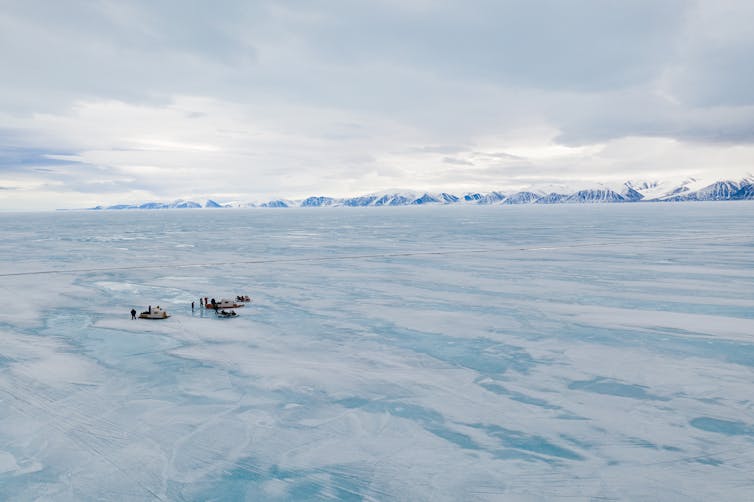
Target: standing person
{"x":133,"y":313}
{"x":192,"y":306}
{"x":150,"y":309}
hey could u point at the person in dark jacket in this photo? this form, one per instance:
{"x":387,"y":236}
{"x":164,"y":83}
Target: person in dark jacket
{"x":133,"y":313}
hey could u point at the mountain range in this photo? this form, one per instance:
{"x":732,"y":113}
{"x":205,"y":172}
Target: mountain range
{"x":688,"y":189}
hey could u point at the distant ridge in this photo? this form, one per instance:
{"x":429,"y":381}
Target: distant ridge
{"x":688,"y":189}
{"x":178,"y":204}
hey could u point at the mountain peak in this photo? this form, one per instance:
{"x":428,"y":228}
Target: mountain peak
{"x":681,"y":189}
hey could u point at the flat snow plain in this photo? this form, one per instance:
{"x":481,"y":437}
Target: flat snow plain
{"x":427,"y":353}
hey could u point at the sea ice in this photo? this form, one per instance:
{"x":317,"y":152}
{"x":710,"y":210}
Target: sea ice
{"x":423,"y":353}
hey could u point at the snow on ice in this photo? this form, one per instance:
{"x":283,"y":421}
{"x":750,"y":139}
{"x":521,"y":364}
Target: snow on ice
{"x":444,"y":353}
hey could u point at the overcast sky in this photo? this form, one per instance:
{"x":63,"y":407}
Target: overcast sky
{"x":109,"y":101}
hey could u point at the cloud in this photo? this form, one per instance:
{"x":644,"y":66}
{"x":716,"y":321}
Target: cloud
{"x":582,"y":45}
{"x":711,"y":71}
{"x":17,"y":159}
{"x":289,"y":98}
{"x":458,"y":162}
{"x":147,"y":52}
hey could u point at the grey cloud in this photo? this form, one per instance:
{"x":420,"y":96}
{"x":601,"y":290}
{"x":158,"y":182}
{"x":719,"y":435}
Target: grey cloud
{"x":713,"y":69}
{"x":346,"y":131}
{"x":447,"y":149}
{"x":452,"y":78}
{"x":703,"y":94}
{"x":497,"y":155}
{"x":590,"y":119}
{"x":453,"y":68}
{"x":587,"y":45}
{"x":458,"y":162}
{"x":56,"y":53}
{"x":145,"y":51}
{"x":24,"y":159}
{"x":716,"y":76}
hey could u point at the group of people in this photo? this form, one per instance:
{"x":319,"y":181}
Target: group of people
{"x":211,"y":303}
{"x":214,"y":305}
{"x":149,"y":311}
{"x":203,"y":302}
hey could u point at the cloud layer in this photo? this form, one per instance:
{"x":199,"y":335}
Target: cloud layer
{"x":107,"y":101}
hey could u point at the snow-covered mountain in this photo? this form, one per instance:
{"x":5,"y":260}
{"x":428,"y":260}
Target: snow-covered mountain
{"x":746,"y":192}
{"x":594,"y":195}
{"x":318,"y":202}
{"x":693,"y":189}
{"x":397,"y":198}
{"x":660,"y":190}
{"x":685,"y":189}
{"x":177,"y":204}
{"x":278,"y":203}
{"x":522,"y":198}
{"x":720,"y":190}
{"x":551,"y":198}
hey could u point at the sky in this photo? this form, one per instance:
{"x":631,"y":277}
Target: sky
{"x":105,"y":102}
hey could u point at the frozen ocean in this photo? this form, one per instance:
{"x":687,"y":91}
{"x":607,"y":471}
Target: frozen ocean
{"x":571,"y":352}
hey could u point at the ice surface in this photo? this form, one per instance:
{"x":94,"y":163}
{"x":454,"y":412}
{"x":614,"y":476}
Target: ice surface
{"x":443,"y":353}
